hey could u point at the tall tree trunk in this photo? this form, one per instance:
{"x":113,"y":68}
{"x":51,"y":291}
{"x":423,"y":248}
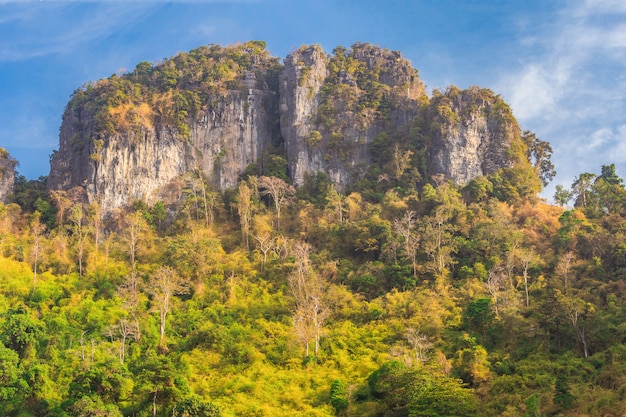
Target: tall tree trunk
{"x":154,"y":398}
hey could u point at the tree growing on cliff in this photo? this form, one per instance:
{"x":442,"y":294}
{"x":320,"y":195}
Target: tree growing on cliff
{"x":539,"y":153}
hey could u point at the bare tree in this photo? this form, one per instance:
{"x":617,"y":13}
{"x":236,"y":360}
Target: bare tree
{"x":574,"y":310}
{"x":79,"y":233}
{"x":95,"y":212}
{"x":405,"y":228}
{"x":134,"y":227}
{"x":564,"y":267}
{"x":265,"y":244}
{"x":437,"y":243}
{"x":527,"y":258}
{"x":309,"y":290}
{"x":124,"y":330}
{"x":495,"y":285}
{"x":164,"y":285}
{"x":199,"y":195}
{"x":208,"y":217}
{"x":280,"y":192}
{"x":505,"y":296}
{"x":419,"y":342}
{"x":129,"y":291}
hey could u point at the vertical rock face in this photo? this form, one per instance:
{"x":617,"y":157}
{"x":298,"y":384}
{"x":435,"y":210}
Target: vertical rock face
{"x":357,"y":113}
{"x":7,"y":174}
{"x":118,"y":169}
{"x":300,"y":86}
{"x":231,"y":135}
{"x":223,"y":141}
{"x":331,"y":108}
{"x":131,"y":148}
{"x":473,"y":134}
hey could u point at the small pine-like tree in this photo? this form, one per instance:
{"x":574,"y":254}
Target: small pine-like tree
{"x":338,"y":397}
{"x":562,"y":395}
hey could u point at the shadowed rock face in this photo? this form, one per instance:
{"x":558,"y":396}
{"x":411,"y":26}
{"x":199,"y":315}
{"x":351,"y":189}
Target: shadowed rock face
{"x":7,"y":174}
{"x":300,"y":86}
{"x":217,"y":110}
{"x":332,"y":108}
{"x":473,"y":132}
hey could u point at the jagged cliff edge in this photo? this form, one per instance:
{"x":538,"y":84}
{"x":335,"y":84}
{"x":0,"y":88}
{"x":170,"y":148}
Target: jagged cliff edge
{"x":218,"y":111}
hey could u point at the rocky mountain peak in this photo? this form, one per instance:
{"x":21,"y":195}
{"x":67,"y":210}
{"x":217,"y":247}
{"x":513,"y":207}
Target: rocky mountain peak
{"x":218,"y":112}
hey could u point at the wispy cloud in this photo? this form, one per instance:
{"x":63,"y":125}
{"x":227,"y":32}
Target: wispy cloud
{"x":565,"y":68}
{"x":600,"y":6}
{"x":35,"y":29}
{"x":571,"y":86}
{"x":48,"y":28}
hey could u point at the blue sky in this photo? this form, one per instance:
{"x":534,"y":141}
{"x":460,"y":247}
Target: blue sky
{"x":561,"y":65}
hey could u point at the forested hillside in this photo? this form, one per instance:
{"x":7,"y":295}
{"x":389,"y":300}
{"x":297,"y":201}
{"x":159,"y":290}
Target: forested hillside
{"x":271,"y":301}
{"x":209,"y":243}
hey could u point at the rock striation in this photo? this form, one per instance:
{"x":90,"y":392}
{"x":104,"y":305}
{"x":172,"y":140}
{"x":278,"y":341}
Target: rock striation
{"x":145,"y":151}
{"x":219,"y":112}
{"x":332,"y":108}
{"x":473,"y":132}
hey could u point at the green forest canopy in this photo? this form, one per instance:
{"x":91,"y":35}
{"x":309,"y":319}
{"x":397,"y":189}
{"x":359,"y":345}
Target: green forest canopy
{"x":419,"y":303}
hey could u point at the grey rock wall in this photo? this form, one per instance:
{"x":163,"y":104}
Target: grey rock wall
{"x":7,"y":174}
{"x":327,"y":122}
{"x":330,"y":109}
{"x":228,"y":137}
{"x":472,"y":135}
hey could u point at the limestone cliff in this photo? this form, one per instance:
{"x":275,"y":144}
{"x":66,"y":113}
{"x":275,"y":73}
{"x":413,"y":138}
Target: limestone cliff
{"x":127,"y":138}
{"x":300,"y":86}
{"x":332,"y":107}
{"x":7,"y":174}
{"x":473,"y":134}
{"x":358,"y":114}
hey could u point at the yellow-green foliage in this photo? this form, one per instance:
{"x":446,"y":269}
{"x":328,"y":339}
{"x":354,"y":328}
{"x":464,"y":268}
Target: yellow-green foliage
{"x":447,"y":298}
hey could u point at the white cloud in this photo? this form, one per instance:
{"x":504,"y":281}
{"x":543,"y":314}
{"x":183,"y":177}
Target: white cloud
{"x":601,"y":6}
{"x":609,"y":141}
{"x":570,"y":88}
{"x":534,"y":91}
{"x":44,"y":28}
